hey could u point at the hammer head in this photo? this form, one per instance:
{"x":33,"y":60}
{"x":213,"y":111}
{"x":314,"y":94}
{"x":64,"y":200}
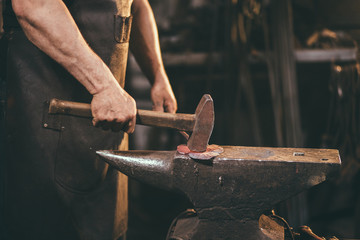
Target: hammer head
{"x":203,"y":126}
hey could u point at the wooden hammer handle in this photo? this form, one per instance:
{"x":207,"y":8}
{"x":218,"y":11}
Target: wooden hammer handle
{"x":179,"y":121}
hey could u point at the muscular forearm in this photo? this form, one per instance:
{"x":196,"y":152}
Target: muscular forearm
{"x":49,"y":25}
{"x":144,"y":41}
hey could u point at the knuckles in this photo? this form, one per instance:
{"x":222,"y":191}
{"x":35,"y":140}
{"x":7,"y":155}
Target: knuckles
{"x":116,"y":114}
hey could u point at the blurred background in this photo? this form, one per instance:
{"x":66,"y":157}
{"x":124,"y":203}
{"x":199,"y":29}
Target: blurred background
{"x":282,"y":73}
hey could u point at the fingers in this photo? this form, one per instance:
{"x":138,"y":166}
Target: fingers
{"x":114,"y":110}
{"x":163,"y":100}
{"x":158,"y":106}
{"x":130,"y":126}
{"x":95,"y":122}
{"x":170,"y":106}
{"x":165,"y":105}
{"x":116,"y":126}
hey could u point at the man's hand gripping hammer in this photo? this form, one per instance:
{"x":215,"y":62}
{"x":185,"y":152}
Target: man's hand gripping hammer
{"x":201,"y":123}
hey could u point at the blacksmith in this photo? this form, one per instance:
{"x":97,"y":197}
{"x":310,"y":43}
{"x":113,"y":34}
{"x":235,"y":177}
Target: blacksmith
{"x":74,"y":50}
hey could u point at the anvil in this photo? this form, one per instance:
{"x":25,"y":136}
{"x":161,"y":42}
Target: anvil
{"x":232,"y":190}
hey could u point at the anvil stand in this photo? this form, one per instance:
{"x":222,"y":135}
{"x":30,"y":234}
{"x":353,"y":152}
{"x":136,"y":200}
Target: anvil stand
{"x":231,"y":191}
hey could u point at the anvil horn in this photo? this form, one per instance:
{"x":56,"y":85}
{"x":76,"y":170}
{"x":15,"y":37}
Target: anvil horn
{"x":146,"y":166}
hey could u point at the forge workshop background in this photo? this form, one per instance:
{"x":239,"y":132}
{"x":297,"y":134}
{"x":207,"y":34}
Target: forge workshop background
{"x":2,"y":130}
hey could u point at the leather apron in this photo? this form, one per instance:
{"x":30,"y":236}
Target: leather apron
{"x":57,"y":188}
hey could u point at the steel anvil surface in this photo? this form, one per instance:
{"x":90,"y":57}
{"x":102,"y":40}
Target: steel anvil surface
{"x":231,"y":191}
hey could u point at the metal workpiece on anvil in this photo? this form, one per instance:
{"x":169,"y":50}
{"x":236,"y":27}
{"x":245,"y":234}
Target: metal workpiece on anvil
{"x":231,"y":191}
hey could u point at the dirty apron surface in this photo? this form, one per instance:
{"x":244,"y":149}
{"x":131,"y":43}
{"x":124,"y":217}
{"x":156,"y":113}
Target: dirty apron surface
{"x":57,"y":188}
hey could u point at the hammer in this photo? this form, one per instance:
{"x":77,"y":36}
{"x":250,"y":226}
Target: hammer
{"x":229,"y":193}
{"x":200,"y":124}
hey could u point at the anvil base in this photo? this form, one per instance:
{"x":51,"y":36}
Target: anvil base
{"x":191,"y":228}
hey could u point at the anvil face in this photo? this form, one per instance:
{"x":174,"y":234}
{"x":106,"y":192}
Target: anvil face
{"x":250,"y":180}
